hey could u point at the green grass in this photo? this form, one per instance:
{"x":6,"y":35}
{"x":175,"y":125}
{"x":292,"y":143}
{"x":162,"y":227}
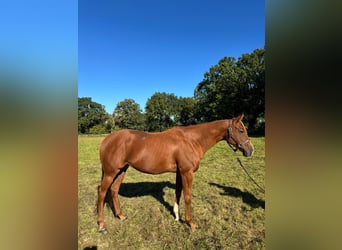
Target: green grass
{"x":226,"y":205}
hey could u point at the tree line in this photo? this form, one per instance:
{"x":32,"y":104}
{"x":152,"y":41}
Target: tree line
{"x":229,"y":88}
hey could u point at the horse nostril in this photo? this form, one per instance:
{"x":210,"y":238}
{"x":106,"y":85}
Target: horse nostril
{"x":248,"y":152}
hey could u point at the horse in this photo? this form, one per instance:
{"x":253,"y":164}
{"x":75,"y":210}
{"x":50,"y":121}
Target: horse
{"x":179,"y":150}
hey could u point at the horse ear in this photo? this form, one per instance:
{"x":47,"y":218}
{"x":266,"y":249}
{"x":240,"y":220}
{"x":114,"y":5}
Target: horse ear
{"x":239,"y":118}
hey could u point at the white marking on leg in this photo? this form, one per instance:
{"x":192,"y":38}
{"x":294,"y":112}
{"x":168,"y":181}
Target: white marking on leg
{"x":175,"y":210}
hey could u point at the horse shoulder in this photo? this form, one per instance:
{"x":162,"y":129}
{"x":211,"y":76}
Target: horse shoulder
{"x":193,"y":143}
{"x":190,"y":150}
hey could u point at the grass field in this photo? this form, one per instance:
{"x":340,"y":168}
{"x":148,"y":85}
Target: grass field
{"x":228,"y":208}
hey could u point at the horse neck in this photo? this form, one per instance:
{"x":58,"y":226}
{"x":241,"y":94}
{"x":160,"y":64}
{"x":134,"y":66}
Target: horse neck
{"x":208,"y":134}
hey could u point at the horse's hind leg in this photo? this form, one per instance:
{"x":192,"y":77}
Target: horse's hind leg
{"x":115,"y":192}
{"x":178,"y":194}
{"x":105,"y":184}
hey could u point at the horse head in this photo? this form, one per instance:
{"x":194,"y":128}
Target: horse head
{"x":238,"y":137}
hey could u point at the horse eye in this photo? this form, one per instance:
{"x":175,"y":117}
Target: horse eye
{"x":241,"y":131}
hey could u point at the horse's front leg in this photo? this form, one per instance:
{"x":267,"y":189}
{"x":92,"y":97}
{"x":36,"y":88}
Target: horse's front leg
{"x":178,"y":194}
{"x":187,"y":185}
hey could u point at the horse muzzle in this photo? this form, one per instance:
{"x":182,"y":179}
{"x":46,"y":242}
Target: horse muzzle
{"x":247,"y":149}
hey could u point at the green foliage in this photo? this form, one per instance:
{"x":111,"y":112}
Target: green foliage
{"x":233,"y":87}
{"x":161,"y":110}
{"x":187,"y":111}
{"x":218,"y":92}
{"x":127,"y":114}
{"x":165,"y":110}
{"x":253,"y":66}
{"x":91,"y":114}
{"x":97,"y":129}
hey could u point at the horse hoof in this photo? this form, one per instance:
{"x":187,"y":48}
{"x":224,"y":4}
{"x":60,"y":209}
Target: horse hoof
{"x":122,"y":218}
{"x":103,"y":231}
{"x":192,"y":225}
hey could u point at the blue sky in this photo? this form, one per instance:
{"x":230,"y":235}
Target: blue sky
{"x":39,"y":41}
{"x":134,"y":48}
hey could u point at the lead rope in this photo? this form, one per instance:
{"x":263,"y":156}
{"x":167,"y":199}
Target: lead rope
{"x":238,"y":159}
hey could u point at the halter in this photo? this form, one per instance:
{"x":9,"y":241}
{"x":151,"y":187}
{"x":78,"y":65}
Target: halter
{"x":230,"y":135}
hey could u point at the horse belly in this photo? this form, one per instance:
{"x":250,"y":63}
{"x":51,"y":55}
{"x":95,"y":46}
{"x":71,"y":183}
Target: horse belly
{"x":153,"y":154}
{"x":154,"y":164}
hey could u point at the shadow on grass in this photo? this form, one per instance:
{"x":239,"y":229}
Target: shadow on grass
{"x":138,"y":189}
{"x":247,"y":197}
{"x":90,"y":248}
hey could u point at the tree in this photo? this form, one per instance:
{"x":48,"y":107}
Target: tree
{"x":253,"y":65}
{"x":97,"y":129}
{"x":161,"y":111}
{"x":127,"y":114}
{"x":91,"y":114}
{"x":233,"y":87}
{"x":219,"y":94}
{"x":187,"y":108}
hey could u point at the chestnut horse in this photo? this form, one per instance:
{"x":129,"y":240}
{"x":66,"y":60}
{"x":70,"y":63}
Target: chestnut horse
{"x":177,"y":150}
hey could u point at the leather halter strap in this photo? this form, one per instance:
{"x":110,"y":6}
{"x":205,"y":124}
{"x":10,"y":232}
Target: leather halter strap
{"x":230,"y":135}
